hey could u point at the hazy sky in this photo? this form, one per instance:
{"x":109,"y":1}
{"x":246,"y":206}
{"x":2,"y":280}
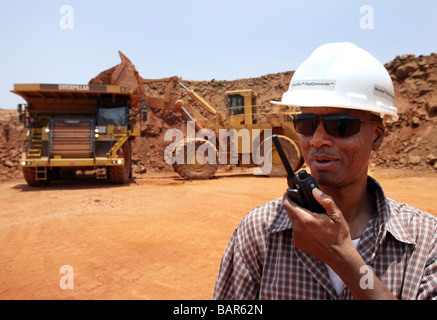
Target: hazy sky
{"x":46,"y":42}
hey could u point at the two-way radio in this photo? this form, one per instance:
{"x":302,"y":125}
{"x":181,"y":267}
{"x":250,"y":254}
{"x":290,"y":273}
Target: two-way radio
{"x":300,"y":185}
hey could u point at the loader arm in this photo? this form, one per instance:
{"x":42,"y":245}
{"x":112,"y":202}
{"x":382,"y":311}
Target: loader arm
{"x":166,"y":102}
{"x":187,"y":110}
{"x":205,"y":105}
{"x":218,"y":118}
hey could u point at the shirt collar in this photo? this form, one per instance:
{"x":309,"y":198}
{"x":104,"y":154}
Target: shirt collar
{"x":389,"y":217}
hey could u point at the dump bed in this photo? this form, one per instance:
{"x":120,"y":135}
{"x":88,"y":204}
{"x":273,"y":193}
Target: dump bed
{"x":69,"y":98}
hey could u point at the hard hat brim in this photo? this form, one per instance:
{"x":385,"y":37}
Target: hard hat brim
{"x":389,"y":115}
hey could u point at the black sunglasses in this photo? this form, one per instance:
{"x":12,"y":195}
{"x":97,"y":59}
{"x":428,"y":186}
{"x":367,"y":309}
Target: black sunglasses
{"x":336,"y":124}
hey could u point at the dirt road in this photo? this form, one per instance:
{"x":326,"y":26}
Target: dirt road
{"x":159,"y":237}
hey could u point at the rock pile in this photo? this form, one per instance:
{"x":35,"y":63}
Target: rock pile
{"x":410,"y":142}
{"x":10,"y":144}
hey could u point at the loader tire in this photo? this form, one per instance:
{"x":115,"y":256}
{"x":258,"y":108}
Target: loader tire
{"x":122,"y":174}
{"x":292,"y":152}
{"x":191,"y":169}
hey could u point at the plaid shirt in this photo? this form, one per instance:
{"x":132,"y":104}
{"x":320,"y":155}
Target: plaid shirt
{"x":261,"y":261}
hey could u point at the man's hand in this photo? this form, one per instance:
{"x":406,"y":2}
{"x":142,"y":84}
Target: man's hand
{"x":324,"y":236}
{"x":327,"y":238}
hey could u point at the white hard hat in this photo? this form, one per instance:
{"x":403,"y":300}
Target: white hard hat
{"x":345,"y":76}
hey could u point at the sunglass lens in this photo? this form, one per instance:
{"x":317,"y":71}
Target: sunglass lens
{"x":341,"y":125}
{"x":305,"y":123}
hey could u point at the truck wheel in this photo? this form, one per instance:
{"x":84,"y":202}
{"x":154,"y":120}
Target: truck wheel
{"x":191,"y":169}
{"x":121,"y":174}
{"x":272,"y":157}
{"x":29,"y":174}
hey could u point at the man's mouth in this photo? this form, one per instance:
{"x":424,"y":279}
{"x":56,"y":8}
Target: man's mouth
{"x":323,"y":161}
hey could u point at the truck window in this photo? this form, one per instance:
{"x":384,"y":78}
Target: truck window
{"x":107,"y":116}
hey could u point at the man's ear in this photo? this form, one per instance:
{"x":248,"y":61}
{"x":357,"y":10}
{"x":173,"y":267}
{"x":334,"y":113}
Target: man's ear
{"x":378,"y":136}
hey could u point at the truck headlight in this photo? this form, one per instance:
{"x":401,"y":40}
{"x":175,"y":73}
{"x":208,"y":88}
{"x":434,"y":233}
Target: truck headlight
{"x":100,"y":129}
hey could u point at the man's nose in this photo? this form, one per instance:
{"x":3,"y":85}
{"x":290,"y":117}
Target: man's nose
{"x":320,"y":138}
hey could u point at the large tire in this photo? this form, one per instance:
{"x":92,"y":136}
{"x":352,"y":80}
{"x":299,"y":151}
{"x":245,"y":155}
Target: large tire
{"x":122,"y":174}
{"x":292,"y":152}
{"x":196,"y":170}
{"x":29,"y":174}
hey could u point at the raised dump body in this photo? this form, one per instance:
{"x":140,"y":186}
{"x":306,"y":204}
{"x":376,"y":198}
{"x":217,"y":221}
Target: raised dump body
{"x":76,"y":127}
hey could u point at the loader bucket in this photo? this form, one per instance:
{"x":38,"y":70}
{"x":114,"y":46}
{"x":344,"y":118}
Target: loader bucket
{"x":124,"y":74}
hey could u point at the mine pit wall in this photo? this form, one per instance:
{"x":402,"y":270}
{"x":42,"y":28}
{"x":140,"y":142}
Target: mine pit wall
{"x":409,"y":144}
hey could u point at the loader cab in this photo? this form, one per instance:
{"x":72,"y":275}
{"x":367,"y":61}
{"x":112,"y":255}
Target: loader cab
{"x":241,"y":107}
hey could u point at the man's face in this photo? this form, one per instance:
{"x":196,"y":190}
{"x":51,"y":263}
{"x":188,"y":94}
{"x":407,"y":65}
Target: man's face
{"x":337,"y":161}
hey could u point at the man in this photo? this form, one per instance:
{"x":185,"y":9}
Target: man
{"x":366,"y":246}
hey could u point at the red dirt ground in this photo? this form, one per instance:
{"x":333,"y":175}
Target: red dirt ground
{"x":160,"y":237}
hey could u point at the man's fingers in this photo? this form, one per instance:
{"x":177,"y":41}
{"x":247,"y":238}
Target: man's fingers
{"x":328,"y":203}
{"x":289,"y":205}
{"x":291,"y":208}
{"x":296,"y":212}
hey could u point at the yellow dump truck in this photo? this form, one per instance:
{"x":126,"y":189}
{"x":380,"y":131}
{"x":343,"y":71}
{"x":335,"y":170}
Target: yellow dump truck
{"x":77,"y":127}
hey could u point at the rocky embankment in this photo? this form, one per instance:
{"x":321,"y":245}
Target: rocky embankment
{"x":410,"y":143}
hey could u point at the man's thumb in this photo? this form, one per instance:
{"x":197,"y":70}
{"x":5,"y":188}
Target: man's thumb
{"x":328,"y":203}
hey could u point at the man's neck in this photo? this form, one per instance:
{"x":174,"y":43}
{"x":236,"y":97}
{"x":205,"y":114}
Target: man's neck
{"x":356,"y":204}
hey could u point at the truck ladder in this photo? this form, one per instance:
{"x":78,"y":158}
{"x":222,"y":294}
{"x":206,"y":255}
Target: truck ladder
{"x":41,"y":173}
{"x":36,"y":145}
{"x":112,"y":153}
{"x":101,"y":173}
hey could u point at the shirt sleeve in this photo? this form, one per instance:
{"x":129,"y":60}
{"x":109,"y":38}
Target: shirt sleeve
{"x":241,"y":269}
{"x":428,"y":285}
{"x":234,"y":280}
